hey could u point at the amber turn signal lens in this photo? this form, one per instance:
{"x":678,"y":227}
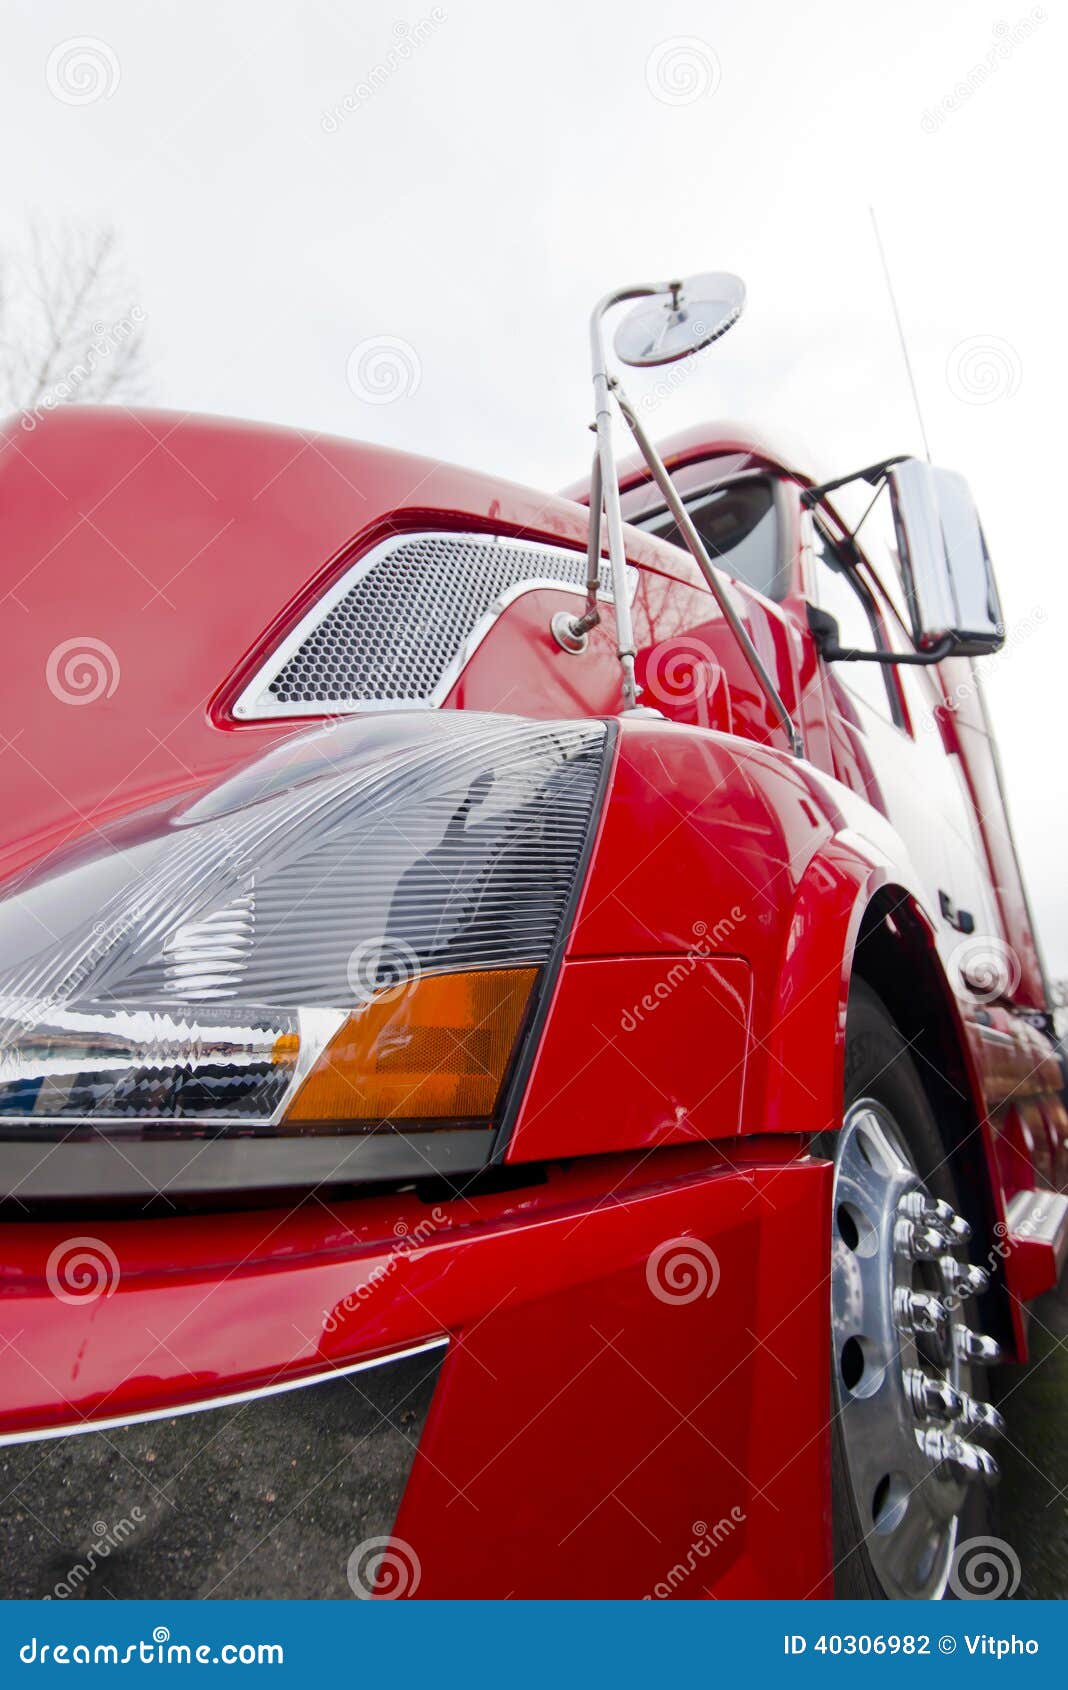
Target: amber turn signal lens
{"x":435,"y":1048}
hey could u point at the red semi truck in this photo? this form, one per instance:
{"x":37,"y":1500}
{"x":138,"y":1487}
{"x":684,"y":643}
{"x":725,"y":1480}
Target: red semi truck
{"x":525,"y":1067}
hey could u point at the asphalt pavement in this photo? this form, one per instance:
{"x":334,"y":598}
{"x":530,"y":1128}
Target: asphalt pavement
{"x":1031,"y":1508}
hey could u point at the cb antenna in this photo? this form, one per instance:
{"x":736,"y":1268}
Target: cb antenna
{"x":900,"y":332}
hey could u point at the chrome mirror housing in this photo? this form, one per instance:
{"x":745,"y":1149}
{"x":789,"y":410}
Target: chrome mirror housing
{"x":945,"y":566}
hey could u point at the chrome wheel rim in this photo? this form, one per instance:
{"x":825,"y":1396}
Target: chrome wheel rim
{"x":903,"y":1356}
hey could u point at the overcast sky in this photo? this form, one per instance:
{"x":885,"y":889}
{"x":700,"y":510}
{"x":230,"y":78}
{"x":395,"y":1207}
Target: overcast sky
{"x":279,"y":202}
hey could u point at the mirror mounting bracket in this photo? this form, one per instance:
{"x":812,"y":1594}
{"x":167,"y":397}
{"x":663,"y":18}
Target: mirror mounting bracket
{"x":824,"y":629}
{"x":873,"y":474}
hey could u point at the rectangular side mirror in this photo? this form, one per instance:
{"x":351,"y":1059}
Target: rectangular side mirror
{"x":945,"y":566}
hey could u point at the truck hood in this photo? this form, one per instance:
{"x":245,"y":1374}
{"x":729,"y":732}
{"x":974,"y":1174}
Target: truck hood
{"x":146,"y":559}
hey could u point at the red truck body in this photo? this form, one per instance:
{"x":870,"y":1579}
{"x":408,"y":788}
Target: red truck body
{"x":583,"y":1432}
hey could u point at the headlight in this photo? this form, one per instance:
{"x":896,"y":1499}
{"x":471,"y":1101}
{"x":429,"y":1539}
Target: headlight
{"x":343,"y":942}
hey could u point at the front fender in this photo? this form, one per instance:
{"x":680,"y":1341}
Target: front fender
{"x":703,"y":990}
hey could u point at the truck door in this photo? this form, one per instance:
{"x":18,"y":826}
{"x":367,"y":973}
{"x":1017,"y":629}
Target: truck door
{"x":887,"y":743}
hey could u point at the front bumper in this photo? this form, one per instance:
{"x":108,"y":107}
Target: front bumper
{"x":637,"y":1347}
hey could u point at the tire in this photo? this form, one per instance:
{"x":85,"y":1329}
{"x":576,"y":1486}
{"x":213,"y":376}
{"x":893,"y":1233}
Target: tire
{"x":878,"y":1066}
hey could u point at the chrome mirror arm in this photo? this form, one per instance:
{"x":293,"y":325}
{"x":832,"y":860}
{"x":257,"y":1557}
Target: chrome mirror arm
{"x":571,"y":631}
{"x":608,"y":477}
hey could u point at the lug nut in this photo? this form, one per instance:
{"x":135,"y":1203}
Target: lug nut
{"x":975,"y":1346}
{"x":921,"y":1243}
{"x":919,"y":1311}
{"x":963,"y":1277}
{"x":964,"y":1459}
{"x":935,"y":1398}
{"x":937,"y":1213}
{"x":980,"y":1417}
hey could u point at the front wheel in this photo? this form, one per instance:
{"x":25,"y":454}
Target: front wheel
{"x":911,"y":1469}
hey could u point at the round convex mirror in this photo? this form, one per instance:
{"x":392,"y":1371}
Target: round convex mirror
{"x":666,"y":327}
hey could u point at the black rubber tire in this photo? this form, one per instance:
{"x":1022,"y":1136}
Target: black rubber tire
{"x":878,"y":1065}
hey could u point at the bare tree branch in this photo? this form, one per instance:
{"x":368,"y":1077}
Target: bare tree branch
{"x":69,"y":327}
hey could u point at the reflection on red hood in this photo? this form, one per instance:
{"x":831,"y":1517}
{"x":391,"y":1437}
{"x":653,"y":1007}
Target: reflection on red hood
{"x":143,"y":557}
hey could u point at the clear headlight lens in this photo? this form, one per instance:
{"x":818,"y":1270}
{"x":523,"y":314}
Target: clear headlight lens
{"x":145,"y":1064}
{"x":343,"y":937}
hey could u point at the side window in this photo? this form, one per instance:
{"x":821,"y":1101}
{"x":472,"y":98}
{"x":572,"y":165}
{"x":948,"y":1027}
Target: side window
{"x":739,"y":524}
{"x":839,"y":590}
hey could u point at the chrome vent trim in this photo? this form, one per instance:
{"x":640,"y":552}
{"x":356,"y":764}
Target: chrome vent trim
{"x":398,"y":627}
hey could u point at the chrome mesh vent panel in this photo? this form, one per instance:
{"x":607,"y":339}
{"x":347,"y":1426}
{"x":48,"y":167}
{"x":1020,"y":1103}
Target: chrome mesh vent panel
{"x":393,"y":629}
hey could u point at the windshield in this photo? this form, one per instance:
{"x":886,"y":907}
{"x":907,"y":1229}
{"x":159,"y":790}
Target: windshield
{"x":739,"y":525}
